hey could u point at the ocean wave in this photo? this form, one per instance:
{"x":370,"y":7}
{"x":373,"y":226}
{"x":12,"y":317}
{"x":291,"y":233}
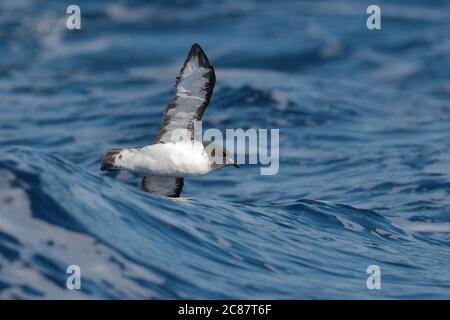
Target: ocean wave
{"x":135,"y":245}
{"x":363,"y":180}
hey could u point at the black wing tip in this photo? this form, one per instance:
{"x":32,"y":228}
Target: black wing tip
{"x":197,"y":51}
{"x":196,"y":46}
{"x":146,"y":185}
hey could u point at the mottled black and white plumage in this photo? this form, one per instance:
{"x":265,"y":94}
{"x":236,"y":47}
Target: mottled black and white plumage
{"x":167,"y":161}
{"x":164,"y":186}
{"x":193,"y":91}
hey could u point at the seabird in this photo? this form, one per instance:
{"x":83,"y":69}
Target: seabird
{"x":169,"y":159}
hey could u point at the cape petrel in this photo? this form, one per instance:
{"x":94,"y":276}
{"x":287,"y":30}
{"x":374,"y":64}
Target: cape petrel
{"x":169,"y":159}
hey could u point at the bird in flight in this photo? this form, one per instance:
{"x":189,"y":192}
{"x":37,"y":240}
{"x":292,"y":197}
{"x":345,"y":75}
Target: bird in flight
{"x":176,"y":152}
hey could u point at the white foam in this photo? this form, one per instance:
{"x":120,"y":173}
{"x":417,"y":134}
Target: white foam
{"x":423,"y":226}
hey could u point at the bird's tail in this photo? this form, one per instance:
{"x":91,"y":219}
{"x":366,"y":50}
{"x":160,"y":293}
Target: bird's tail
{"x":109,"y":160}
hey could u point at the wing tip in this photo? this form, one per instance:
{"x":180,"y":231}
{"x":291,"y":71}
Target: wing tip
{"x":197,"y":51}
{"x":150,"y":184}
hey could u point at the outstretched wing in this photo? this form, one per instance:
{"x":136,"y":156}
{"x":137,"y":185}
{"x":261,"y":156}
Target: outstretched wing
{"x":193,"y":91}
{"x":164,"y":186}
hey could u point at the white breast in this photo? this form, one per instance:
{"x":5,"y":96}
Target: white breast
{"x":166,"y":159}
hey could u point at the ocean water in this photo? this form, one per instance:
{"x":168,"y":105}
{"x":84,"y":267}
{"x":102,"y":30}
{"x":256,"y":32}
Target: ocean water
{"x":364,"y":177}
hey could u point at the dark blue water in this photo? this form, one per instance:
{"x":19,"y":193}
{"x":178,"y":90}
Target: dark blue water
{"x":364,"y":119}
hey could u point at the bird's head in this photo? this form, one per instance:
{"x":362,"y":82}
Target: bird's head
{"x":219,"y":157}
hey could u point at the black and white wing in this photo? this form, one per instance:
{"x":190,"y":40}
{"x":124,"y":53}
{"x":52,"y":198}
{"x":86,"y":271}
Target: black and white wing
{"x":164,"y":186}
{"x":193,"y":91}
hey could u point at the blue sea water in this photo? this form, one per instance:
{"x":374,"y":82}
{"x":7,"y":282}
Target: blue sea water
{"x":364,"y":179}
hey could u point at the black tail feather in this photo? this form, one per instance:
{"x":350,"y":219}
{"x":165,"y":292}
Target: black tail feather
{"x":109,"y":159}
